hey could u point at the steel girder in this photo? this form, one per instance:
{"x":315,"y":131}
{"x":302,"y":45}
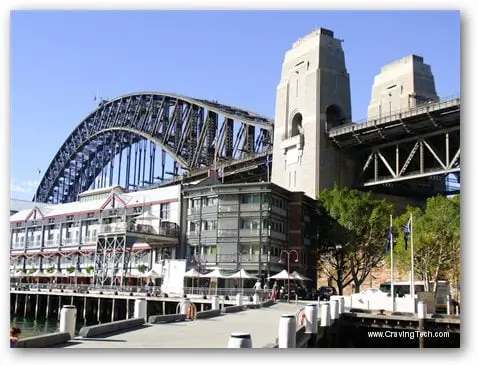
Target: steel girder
{"x":189,"y":130}
{"x":425,"y":159}
{"x":112,"y":258}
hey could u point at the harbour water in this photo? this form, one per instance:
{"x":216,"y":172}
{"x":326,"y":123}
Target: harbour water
{"x":32,"y":327}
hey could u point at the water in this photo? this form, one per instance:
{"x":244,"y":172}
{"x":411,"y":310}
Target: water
{"x":32,"y":327}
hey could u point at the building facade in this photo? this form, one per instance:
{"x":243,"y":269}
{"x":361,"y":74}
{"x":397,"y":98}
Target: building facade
{"x":250,"y":226}
{"x":106,"y":234}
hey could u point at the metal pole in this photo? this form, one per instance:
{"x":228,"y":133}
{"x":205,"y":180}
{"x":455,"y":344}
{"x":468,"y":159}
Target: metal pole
{"x":412,"y":279}
{"x":391,"y":264}
{"x":288,"y":277}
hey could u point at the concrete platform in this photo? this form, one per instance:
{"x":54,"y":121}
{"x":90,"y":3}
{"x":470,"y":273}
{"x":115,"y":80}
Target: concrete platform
{"x":262,"y":324}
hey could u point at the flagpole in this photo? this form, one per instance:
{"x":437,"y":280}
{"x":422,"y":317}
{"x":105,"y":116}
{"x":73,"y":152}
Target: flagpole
{"x":412,"y":279}
{"x":391,"y":264}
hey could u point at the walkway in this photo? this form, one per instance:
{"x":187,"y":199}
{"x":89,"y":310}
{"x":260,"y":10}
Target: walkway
{"x":262,"y":324}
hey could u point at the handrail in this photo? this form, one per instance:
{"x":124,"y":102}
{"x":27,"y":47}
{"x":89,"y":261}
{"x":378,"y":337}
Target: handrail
{"x":398,"y":112}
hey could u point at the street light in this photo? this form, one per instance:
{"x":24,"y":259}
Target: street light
{"x":288,"y":253}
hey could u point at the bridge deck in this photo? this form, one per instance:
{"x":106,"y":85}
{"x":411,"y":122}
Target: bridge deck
{"x":262,"y":324}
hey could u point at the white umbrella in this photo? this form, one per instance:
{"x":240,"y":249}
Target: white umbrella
{"x":242,"y":274}
{"x":297,"y":276}
{"x":151,"y":273}
{"x":192,"y":273}
{"x":216,"y":273}
{"x":282,"y":275}
{"x":19,"y":273}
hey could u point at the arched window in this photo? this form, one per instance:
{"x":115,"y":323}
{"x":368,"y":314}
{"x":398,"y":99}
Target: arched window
{"x":296,"y":125}
{"x":333,"y":116}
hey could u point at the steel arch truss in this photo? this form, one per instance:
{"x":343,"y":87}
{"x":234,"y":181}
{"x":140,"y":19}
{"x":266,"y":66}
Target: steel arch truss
{"x":195,"y":133}
{"x":427,"y":159}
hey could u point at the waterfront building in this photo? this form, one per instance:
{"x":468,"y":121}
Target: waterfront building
{"x":106,"y":234}
{"x":248,"y":226}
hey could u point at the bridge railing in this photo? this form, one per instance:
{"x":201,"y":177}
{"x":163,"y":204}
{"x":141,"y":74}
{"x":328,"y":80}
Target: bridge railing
{"x":396,"y":113}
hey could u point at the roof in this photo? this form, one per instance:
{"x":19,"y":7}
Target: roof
{"x":19,"y":205}
{"x":130,"y":199}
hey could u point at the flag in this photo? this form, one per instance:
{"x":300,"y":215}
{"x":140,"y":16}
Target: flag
{"x":406,"y":232}
{"x":389,"y":239}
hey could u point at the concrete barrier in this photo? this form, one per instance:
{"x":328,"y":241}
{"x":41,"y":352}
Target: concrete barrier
{"x":45,"y":340}
{"x":253,"y":306}
{"x":100,"y":329}
{"x":208,"y":314}
{"x":233,"y":309}
{"x":154,"y":319}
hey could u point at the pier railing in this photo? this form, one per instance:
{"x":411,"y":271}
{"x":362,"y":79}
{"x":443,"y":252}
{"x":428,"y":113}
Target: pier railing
{"x":111,"y":289}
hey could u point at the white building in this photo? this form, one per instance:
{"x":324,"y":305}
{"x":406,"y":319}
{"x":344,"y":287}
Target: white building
{"x":107,"y":232}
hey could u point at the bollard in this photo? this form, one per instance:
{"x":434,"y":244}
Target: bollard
{"x":334,"y":310}
{"x":239,"y":299}
{"x":448,"y":310}
{"x":255,"y":299}
{"x":68,"y":319}
{"x":240,"y":340}
{"x":422,"y":314}
{"x":324,"y":314}
{"x":311,"y":322}
{"x":214,"y":302}
{"x":287,"y":331}
{"x":341,"y":300}
{"x":140,"y":309}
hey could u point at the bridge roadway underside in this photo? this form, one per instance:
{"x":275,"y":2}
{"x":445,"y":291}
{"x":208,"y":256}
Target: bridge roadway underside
{"x":262,"y":324}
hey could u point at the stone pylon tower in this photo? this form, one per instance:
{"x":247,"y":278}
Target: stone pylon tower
{"x":312,"y":96}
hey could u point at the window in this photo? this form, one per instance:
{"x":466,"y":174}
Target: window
{"x":69,"y":218}
{"x":51,"y":221}
{"x":165,"y":211}
{"x":193,"y":226}
{"x":211,"y":201}
{"x":209,"y":225}
{"x":250,"y":224}
{"x":251,"y":198}
{"x":138,"y":209}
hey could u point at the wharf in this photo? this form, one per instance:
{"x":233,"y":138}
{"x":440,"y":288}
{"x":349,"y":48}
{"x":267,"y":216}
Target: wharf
{"x":262,"y":324}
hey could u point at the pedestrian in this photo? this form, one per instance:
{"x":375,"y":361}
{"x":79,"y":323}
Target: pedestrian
{"x":14,"y":333}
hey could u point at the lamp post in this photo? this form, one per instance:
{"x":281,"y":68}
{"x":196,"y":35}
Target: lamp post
{"x":338,"y":248}
{"x":239,"y":265}
{"x":288,"y":253}
{"x":163,"y":261}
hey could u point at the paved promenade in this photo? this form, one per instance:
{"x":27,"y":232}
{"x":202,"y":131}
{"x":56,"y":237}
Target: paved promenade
{"x":262,"y":324}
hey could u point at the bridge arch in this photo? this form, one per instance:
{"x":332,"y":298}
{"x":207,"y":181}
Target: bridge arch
{"x":188,"y":130}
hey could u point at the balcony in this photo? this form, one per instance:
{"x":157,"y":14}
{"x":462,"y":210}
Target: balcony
{"x":295,"y":141}
{"x":70,"y":242}
{"x":51,"y":243}
{"x":168,"y":229}
{"x":228,"y":208}
{"x":18,"y":246}
{"x":33,"y":244}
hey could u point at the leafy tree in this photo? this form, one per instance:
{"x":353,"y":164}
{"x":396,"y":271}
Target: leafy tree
{"x":352,"y":234}
{"x":436,"y":236}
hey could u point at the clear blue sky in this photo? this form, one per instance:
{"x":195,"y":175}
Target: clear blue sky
{"x":59,"y":60}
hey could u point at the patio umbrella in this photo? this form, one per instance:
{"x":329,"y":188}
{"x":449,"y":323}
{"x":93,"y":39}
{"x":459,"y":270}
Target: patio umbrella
{"x":297,"y":276}
{"x":216,"y":273}
{"x":282,"y":275}
{"x":241,"y":275}
{"x":151,"y":273}
{"x":193,"y":273}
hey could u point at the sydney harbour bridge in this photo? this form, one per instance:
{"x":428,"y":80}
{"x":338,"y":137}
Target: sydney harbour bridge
{"x":125,"y":141}
{"x":150,"y":139}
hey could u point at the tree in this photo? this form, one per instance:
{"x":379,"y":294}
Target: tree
{"x":436,"y":235}
{"x":352,"y":234}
